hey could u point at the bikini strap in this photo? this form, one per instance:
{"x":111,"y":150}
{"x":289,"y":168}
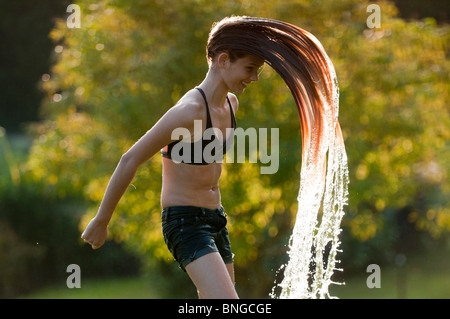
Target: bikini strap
{"x":208,"y":116}
{"x":233,"y":118}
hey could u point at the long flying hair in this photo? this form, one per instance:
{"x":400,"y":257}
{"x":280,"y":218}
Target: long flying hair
{"x":300,"y":59}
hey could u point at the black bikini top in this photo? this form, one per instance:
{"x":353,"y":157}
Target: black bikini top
{"x":208,"y":144}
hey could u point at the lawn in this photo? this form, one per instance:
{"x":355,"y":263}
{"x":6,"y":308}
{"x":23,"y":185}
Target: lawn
{"x":121,"y":288}
{"x":422,"y":277}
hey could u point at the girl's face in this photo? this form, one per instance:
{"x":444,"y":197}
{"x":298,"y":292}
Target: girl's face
{"x":240,"y":73}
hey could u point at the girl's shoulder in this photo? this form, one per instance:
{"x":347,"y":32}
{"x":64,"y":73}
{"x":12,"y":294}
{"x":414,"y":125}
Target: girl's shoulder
{"x":234,"y":101}
{"x":190,"y":105}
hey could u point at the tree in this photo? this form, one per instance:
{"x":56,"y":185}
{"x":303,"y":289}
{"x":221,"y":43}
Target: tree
{"x":23,"y":29}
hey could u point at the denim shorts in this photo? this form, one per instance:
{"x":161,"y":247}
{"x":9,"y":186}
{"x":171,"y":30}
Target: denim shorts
{"x":191,"y":232}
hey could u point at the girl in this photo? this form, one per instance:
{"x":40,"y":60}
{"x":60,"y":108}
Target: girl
{"x":193,"y":220}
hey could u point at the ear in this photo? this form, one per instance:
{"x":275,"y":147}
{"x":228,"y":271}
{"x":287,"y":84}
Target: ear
{"x":222,"y":60}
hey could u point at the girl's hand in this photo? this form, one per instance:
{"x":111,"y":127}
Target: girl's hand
{"x":95,"y":233}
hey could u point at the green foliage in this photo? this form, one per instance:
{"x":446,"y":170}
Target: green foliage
{"x":131,"y":61}
{"x":39,"y":230}
{"x":397,"y":134}
{"x":39,"y":238}
{"x":24,"y":28}
{"x":16,"y":264}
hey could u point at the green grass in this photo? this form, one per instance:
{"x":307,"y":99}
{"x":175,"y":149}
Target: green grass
{"x":395,"y":284}
{"x":122,"y":288}
{"x":424,"y":276}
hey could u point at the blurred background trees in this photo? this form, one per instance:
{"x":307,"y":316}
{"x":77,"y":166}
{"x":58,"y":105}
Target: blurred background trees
{"x":113,"y":78}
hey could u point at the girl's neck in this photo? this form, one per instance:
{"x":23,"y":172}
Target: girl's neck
{"x":215,"y":89}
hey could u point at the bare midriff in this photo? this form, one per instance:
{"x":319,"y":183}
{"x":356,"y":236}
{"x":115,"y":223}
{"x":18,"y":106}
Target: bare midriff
{"x":190,"y":185}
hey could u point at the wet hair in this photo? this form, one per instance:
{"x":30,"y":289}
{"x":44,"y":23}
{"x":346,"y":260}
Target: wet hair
{"x":295,"y":54}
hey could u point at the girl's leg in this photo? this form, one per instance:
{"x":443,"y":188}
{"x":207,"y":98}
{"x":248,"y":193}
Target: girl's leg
{"x":230,"y":268}
{"x":211,"y":277}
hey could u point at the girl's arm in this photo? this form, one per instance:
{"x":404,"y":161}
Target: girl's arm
{"x":156,"y":138}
